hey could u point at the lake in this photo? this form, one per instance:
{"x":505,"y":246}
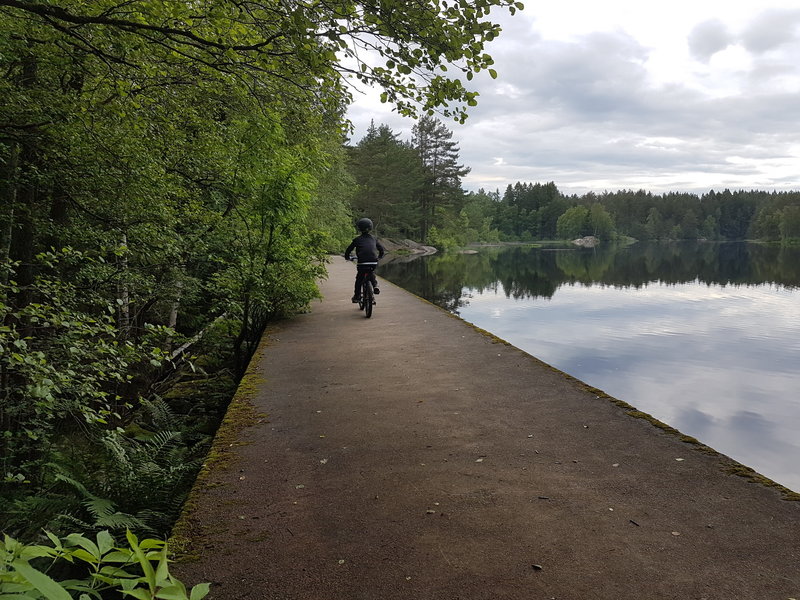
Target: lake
{"x":703,"y":336}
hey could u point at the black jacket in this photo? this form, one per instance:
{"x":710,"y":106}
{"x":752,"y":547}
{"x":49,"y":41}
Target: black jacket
{"x":368,"y":249}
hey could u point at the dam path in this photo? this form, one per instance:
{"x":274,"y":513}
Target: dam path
{"x":411,"y":456}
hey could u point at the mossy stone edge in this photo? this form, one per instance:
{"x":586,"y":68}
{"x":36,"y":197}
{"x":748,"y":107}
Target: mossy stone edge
{"x":188,"y":532}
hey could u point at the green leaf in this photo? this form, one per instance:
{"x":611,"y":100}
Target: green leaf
{"x":173,"y":592}
{"x":30,"y":552}
{"x":76,"y":539}
{"x":105,"y":543}
{"x":200,"y":591}
{"x":85,"y":556}
{"x":162,"y":570}
{"x":139,"y":593}
{"x":120,"y":555}
{"x":144,"y":562}
{"x":54,"y":539}
{"x":42,"y":582}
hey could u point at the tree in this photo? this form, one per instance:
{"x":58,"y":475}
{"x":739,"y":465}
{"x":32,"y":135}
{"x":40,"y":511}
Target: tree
{"x":294,"y":43}
{"x":790,"y":224}
{"x":441,"y":185}
{"x":600,"y":222}
{"x":710,"y":228}
{"x":388,"y":173}
{"x":655,"y":226}
{"x":573,"y":223}
{"x":689,"y":227}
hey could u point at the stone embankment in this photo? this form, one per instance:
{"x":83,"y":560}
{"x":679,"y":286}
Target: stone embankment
{"x":412,"y":456}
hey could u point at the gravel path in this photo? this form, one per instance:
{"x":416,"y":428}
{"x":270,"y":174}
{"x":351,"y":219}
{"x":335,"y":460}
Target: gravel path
{"x":410,"y":456}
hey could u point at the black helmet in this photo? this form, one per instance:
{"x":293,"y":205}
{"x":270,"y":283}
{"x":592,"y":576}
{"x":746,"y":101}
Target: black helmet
{"x":364,"y":225}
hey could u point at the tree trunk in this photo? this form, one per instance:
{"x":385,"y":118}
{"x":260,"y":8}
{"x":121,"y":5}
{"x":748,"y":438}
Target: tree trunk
{"x":123,"y":293}
{"x":173,"y":312}
{"x":21,"y":241}
{"x":8,"y":199}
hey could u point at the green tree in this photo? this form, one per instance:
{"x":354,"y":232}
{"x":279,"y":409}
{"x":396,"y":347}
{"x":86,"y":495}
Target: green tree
{"x":573,"y":223}
{"x":655,"y":226}
{"x":479,"y":209}
{"x":790,"y":224}
{"x":388,"y":173}
{"x":689,"y":227}
{"x":185,"y":151}
{"x":600,"y":222}
{"x":441,"y":184}
{"x":710,"y":228}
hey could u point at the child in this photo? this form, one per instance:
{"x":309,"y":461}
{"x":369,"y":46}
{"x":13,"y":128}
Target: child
{"x":368,"y":251}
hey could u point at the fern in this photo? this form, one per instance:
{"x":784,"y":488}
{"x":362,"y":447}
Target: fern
{"x":130,"y":484}
{"x":103,"y":512}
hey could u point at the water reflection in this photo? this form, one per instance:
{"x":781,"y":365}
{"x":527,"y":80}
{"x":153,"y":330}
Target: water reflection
{"x":705,"y":337}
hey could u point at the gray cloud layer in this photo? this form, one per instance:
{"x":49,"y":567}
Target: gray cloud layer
{"x":588,"y":115}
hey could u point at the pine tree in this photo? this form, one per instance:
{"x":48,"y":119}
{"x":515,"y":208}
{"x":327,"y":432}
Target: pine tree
{"x":387,"y":172}
{"x":441,"y":186}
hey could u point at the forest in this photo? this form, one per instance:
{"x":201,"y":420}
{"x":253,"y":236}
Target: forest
{"x":173,"y":177}
{"x":414,"y":189}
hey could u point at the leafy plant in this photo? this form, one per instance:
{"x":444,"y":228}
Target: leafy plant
{"x":126,"y":484}
{"x":63,"y":366}
{"x":139,"y":570}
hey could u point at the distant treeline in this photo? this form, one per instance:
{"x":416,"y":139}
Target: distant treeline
{"x":540,"y":211}
{"x":413,"y":189}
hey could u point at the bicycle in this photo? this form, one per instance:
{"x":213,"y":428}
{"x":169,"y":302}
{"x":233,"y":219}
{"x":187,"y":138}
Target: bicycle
{"x":366,"y":301}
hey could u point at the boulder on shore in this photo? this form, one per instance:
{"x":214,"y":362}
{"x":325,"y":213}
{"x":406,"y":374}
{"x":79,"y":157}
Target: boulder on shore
{"x":409,"y":246}
{"x":586,"y":242}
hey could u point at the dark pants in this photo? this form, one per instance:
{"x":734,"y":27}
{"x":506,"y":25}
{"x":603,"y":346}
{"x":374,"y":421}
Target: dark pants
{"x":365,"y":271}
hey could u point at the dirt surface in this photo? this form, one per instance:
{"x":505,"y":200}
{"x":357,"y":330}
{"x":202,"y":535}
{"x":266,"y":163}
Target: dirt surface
{"x":410,"y":456}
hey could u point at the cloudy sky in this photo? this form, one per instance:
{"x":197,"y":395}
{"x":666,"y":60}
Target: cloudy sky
{"x":686,"y":95}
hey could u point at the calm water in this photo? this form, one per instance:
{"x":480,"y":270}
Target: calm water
{"x":705,"y":337}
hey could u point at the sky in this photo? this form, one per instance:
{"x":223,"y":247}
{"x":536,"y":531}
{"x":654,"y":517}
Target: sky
{"x":682,"y":96}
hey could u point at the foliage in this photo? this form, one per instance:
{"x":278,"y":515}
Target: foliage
{"x":164,"y":165}
{"x":573,"y":223}
{"x":61,"y":365}
{"x":294,"y":44}
{"x":536,"y":210}
{"x":388,"y":173}
{"x":139,"y":570}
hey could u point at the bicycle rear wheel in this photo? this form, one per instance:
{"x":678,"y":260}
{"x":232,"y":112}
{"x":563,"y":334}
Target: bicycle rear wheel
{"x":368,"y":297}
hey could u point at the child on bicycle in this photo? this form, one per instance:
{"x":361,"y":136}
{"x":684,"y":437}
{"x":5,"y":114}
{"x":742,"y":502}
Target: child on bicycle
{"x":368,"y":252}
